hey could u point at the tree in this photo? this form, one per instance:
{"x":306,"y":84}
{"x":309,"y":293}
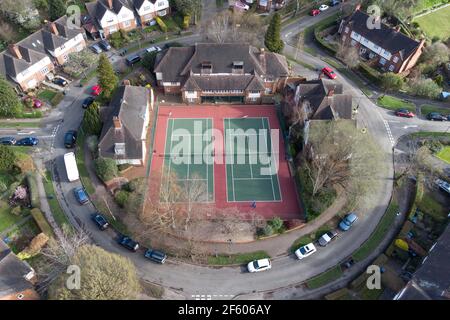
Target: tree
{"x":273,"y":39}
{"x":424,"y":87}
{"x":80,"y":61}
{"x":105,"y":168}
{"x":22,"y":12}
{"x":435,"y":55}
{"x":106,"y":76}
{"x":148,"y":61}
{"x":391,"y":82}
{"x":56,"y":9}
{"x":10,"y":105}
{"x":92,"y":124}
{"x":349,"y":55}
{"x":104,"y":276}
{"x":7,"y":158}
{"x":189,"y":7}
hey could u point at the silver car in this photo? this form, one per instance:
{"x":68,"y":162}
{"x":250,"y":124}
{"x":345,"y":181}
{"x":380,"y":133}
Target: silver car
{"x":327,"y":237}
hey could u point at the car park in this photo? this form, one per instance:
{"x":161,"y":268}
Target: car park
{"x":87,"y":102}
{"x":153,"y":49}
{"x":60,"y":81}
{"x":404,"y":113}
{"x":329,"y":73}
{"x":9,"y":141}
{"x":96,"y":48}
{"x":314,"y":12}
{"x":128,"y":243}
{"x":323,"y":7}
{"x":70,"y":139}
{"x":81,"y":195}
{"x":348,"y":221}
{"x":27,"y":141}
{"x":96,"y":90}
{"x":104,"y":45}
{"x":327,"y":237}
{"x":305,"y":251}
{"x":259,"y":265}
{"x":436,"y":116}
{"x":100,"y":221}
{"x":156,"y":256}
{"x":131,"y":60}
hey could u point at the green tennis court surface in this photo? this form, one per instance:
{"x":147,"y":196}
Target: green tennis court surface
{"x":184,"y":162}
{"x":246,"y":150}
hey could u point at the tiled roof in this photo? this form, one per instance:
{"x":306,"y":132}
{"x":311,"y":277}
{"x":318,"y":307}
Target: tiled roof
{"x":225,"y":82}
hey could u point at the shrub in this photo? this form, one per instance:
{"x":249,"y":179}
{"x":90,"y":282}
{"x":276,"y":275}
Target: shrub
{"x":121,"y":198}
{"x":424,"y":88}
{"x":35,"y":246}
{"x":7,"y":158}
{"x":266,"y":231}
{"x":161,"y":24}
{"x":57,"y":99}
{"x":129,"y":187}
{"x":16,"y":211}
{"x":277,"y":224}
{"x":116,"y":40}
{"x":105,"y":168}
{"x":42,"y":223}
{"x":33,"y":190}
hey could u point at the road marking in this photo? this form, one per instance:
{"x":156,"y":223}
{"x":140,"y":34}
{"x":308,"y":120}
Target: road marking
{"x":388,"y":129}
{"x":25,"y":133}
{"x":411,"y":126}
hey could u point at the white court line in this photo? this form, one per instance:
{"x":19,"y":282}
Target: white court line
{"x":232,"y":173}
{"x":267,"y":148}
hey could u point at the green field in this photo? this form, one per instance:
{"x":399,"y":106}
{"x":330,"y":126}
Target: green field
{"x":444,"y":154}
{"x":393,"y":103}
{"x":241,"y":258}
{"x":325,"y":277}
{"x":436,"y":24}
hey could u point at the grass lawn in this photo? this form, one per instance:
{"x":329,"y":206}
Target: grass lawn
{"x":426,"y":109}
{"x":20,"y":124}
{"x":57,"y":212}
{"x":325,"y":277}
{"x":393,"y":103}
{"x":428,"y":134}
{"x":84,"y":175}
{"x":436,"y":24}
{"x":430,"y":206}
{"x":241,"y":258}
{"x":444,"y":154}
{"x":47,"y":94}
{"x":7,"y":219}
{"x":378,"y":235}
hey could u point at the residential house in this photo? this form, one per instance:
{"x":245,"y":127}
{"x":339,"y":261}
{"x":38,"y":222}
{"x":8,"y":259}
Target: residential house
{"x":320,"y":99}
{"x":16,"y":276}
{"x":383,"y":47}
{"x":110,"y":16}
{"x":264,"y":5}
{"x":431,"y":281}
{"x":147,"y":10}
{"x":209,"y":73}
{"x":126,"y":120}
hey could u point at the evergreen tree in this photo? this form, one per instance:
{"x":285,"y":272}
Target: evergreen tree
{"x":106,"y":76}
{"x":7,"y":158}
{"x":10,"y":105}
{"x":56,"y":9}
{"x":91,"y":121}
{"x":273,"y":39}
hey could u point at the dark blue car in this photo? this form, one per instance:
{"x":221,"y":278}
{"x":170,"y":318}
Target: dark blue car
{"x":100,"y":221}
{"x":28,"y":141}
{"x":81,"y":195}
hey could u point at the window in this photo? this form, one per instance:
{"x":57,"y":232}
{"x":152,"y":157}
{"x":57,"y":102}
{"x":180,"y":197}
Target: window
{"x":347,"y":29}
{"x":268,"y":91}
{"x":161,"y":4}
{"x":65,"y":57}
{"x":119,"y":148}
{"x":127,"y":23}
{"x":391,"y":67}
{"x":395,"y":60}
{"x":382,"y":61}
{"x":45,"y":70}
{"x":191,"y":100}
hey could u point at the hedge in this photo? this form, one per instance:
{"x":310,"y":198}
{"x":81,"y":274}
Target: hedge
{"x":33,"y":189}
{"x":161,"y":24}
{"x":42,"y":223}
{"x":370,"y":73}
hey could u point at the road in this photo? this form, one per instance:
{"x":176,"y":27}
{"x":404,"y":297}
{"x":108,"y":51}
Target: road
{"x":189,"y":280}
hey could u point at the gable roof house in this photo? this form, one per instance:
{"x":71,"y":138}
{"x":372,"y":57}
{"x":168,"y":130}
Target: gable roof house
{"x":110,"y":16}
{"x":321,"y":99}
{"x":227,"y":72}
{"x":383,"y":47}
{"x":16,"y":276}
{"x":126,"y":120}
{"x":147,"y":10}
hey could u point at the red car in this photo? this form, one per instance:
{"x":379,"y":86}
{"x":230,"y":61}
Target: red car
{"x":404,"y":113}
{"x":96,"y":90}
{"x":329,"y":73}
{"x":37,"y":103}
{"x":315,"y":12}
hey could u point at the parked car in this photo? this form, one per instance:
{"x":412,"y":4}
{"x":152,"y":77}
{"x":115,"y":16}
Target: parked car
{"x":348,"y":221}
{"x":104,"y":45}
{"x":9,"y":141}
{"x":241,"y":5}
{"x":323,"y":7}
{"x":131,"y":60}
{"x":436,"y":116}
{"x":334,"y":2}
{"x":443,"y":185}
{"x":349,"y":263}
{"x":129,"y":243}
{"x":305,"y":251}
{"x":327,"y":237}
{"x":96,"y":48}
{"x":87,"y":102}
{"x":156,"y":256}
{"x":151,"y":23}
{"x":259,"y":265}
{"x":153,"y":49}
{"x":27,"y":141}
{"x":80,"y":195}
{"x":404,"y":113}
{"x":329,"y":73}
{"x":60,"y":81}
{"x":100,"y":221}
{"x":70,"y":139}
{"x":37,"y":103}
{"x":314,"y":12}
{"x":96,"y":90}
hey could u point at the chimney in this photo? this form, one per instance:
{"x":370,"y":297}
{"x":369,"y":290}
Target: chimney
{"x":110,"y":4}
{"x":126,"y":82}
{"x":54,"y":29}
{"x":358,"y":7}
{"x":117,"y":123}
{"x":14,"y":49}
{"x":330,"y":92}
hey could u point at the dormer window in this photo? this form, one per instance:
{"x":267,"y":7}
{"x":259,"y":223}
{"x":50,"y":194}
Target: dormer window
{"x":119,"y":148}
{"x":206,"y":67}
{"x":238,"y":67}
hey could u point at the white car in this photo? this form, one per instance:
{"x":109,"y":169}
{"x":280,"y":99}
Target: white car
{"x":153,"y":49}
{"x":323,"y":7}
{"x":259,"y":265}
{"x":443,"y":185}
{"x":305,"y":251}
{"x":241,"y":5}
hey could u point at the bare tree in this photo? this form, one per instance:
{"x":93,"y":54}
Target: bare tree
{"x":349,"y":55}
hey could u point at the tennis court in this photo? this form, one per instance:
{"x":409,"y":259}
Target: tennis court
{"x":250,"y":171}
{"x":188,"y":156}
